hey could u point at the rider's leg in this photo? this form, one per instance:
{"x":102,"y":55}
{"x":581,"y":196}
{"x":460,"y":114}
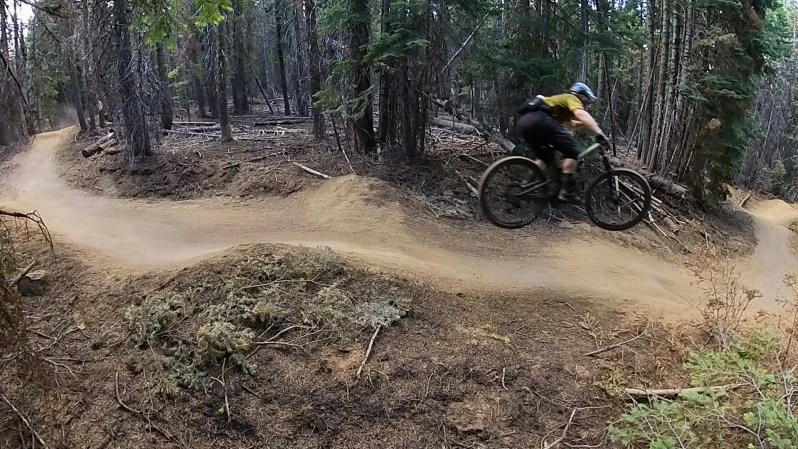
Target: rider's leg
{"x":532,"y":127}
{"x":565,"y":143}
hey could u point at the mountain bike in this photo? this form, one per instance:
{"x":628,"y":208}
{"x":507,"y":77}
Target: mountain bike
{"x":617,"y":199}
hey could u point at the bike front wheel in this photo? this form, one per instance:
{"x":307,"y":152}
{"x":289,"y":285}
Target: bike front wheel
{"x":618,"y":200}
{"x":513,"y":192}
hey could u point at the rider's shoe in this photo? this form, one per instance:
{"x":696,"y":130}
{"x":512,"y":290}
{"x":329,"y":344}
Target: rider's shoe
{"x":569,"y":197}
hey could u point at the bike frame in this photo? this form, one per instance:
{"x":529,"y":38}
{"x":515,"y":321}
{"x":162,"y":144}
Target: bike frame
{"x":528,"y":191}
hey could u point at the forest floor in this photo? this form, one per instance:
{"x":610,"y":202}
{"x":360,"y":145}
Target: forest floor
{"x":483,"y":333}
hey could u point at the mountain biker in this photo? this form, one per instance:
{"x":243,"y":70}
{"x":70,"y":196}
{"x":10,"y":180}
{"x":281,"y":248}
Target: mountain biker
{"x":545,"y":123}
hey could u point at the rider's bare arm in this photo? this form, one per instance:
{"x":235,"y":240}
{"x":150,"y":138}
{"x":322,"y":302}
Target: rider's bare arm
{"x":587,"y":121}
{"x":574,"y":124}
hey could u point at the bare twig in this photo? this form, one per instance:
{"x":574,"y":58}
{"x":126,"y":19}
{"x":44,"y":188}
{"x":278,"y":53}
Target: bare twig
{"x":468,"y":156}
{"x":119,"y":398}
{"x":465,"y":43}
{"x":348,"y":161}
{"x":504,"y":370}
{"x":25,"y":420}
{"x":564,"y":433}
{"x":311,"y":171}
{"x":22,"y":274}
{"x":368,"y":351}
{"x":617,"y":345}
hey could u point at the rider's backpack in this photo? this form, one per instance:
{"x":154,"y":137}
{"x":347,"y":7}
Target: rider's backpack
{"x":532,"y":105}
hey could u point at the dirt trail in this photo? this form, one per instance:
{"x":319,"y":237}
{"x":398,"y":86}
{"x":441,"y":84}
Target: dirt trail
{"x":342,"y":214}
{"x":774,"y":256}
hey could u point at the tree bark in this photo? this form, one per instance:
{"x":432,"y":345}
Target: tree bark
{"x":363,"y":121}
{"x":299,"y":77}
{"x":164,"y":91}
{"x":280,"y":57}
{"x":221,"y":79}
{"x":136,"y":134}
{"x":584,"y":61}
{"x":646,"y":121}
{"x":315,"y":58}
{"x":387,"y":100}
{"x":212,"y":75}
{"x":239,"y":81}
{"x":660,"y":108}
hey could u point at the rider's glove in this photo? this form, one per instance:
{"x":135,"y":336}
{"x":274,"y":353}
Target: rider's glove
{"x":601,"y":139}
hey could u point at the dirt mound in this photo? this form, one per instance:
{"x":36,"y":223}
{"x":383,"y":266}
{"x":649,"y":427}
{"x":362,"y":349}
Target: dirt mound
{"x":422,"y":386}
{"x":774,"y":211}
{"x":184,"y":175}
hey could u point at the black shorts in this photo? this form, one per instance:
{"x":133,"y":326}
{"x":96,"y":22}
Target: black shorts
{"x":540,"y":131}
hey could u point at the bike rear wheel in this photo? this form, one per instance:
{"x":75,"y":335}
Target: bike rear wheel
{"x":501,"y":188}
{"x":618,"y":200}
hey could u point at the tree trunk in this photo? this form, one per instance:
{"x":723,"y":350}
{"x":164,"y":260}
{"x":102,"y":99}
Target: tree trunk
{"x":280,"y":58}
{"x":387,"y":122}
{"x":360,"y":70}
{"x":239,"y":80}
{"x":647,"y":120}
{"x":221,"y":79}
{"x":77,"y":95}
{"x":212,"y":76}
{"x":315,"y":67}
{"x":584,"y":62}
{"x":660,"y":107}
{"x":164,"y":91}
{"x":136,"y":134}
{"x":87,"y":93}
{"x":199,"y":93}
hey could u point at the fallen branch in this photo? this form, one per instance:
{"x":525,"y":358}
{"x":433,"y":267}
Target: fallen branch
{"x":368,"y":351}
{"x":637,"y":393}
{"x":139,"y":413}
{"x":473,"y":189}
{"x":311,"y":171}
{"x":564,"y":433}
{"x":25,"y":420}
{"x":22,"y":274}
{"x":468,"y":156}
{"x":617,"y":345}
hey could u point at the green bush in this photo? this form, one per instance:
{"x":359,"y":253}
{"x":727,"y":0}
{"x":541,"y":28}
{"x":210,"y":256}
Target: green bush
{"x":758,"y":415}
{"x":154,"y":316}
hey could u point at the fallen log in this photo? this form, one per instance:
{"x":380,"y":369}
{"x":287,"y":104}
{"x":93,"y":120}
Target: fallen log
{"x":116,"y":149}
{"x":195,"y":123}
{"x":483,"y":129}
{"x":282,"y":121}
{"x":657,"y":182}
{"x":455,"y":126}
{"x":99,"y":146}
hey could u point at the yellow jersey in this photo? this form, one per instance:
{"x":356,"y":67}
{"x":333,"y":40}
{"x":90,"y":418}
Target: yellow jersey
{"x":563,"y":106}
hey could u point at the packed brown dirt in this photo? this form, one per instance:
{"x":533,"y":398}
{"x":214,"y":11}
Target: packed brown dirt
{"x":354,"y":216}
{"x":473,"y":369}
{"x":491,"y":353}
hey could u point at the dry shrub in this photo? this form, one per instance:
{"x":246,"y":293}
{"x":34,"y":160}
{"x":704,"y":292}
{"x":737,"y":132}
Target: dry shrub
{"x":13,"y":337}
{"x":299,"y":299}
{"x":725,"y":298}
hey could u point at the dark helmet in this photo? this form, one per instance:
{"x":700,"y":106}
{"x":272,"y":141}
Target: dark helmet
{"x":583,"y":89}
